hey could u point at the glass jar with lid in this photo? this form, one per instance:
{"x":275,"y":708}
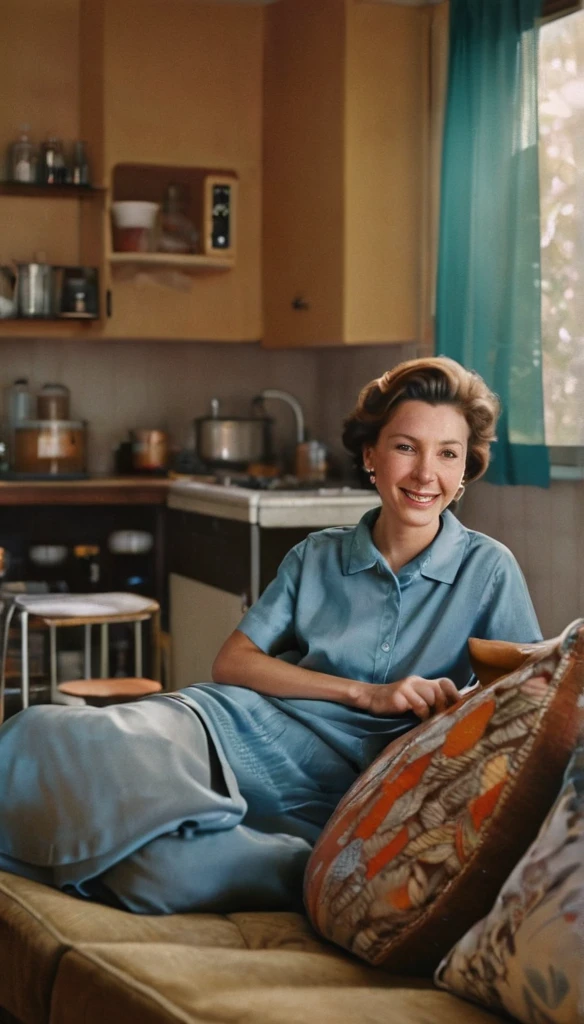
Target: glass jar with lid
{"x":53,"y":402}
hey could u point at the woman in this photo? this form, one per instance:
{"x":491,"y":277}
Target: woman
{"x":211,"y":798}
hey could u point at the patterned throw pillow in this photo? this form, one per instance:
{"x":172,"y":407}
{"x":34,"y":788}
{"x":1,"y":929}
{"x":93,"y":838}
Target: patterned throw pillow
{"x":527,"y":956}
{"x":421,"y":844}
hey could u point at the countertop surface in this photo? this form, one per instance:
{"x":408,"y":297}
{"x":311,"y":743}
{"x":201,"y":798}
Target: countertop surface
{"x":132,"y":490}
{"x":322,"y":507}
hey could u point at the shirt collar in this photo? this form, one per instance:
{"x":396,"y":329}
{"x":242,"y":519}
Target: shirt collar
{"x":440,"y":561}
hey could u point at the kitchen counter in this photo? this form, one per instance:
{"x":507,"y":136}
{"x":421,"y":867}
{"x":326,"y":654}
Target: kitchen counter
{"x":322,"y":507}
{"x":94,"y":491}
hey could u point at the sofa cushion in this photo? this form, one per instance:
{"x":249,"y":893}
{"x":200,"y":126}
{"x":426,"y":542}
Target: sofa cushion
{"x":38,"y":924}
{"x":526,"y":956}
{"x":420,"y":846}
{"x":160,"y":984}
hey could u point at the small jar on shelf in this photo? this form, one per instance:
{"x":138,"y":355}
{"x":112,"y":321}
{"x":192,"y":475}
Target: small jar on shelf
{"x":22,"y":158}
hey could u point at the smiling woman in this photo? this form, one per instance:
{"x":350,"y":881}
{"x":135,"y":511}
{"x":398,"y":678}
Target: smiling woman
{"x":363,"y":633}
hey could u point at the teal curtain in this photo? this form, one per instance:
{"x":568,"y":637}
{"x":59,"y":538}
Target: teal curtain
{"x":488,"y":304}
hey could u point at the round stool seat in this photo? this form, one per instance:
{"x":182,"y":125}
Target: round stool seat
{"x":109,"y":691}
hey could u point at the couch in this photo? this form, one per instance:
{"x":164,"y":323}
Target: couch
{"x":65,"y":961}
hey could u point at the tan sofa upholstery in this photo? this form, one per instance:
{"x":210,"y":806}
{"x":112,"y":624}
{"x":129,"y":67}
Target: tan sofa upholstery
{"x":64,"y":961}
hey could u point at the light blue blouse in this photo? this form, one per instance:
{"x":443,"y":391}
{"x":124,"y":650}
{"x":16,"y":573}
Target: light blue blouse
{"x":335,"y":606}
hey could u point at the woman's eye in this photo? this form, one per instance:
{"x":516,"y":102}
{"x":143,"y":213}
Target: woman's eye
{"x":449,"y":454}
{"x":404,"y":448}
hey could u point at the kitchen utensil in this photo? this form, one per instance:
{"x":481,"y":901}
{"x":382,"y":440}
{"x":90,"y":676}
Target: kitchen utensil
{"x":47,"y":554}
{"x":53,"y":402}
{"x":34,"y":290}
{"x":130,"y":542}
{"x":149,"y":450}
{"x":50,"y":447}
{"x":76,"y":292}
{"x":232,"y":440}
{"x":133,"y":225}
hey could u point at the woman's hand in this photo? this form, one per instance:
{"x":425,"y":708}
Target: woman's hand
{"x":422,"y":696}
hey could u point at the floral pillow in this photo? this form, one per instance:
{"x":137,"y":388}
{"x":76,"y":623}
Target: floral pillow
{"x":420,"y":846}
{"x":527,"y":956}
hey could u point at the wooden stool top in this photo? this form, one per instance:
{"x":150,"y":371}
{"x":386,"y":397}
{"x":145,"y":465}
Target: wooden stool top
{"x":110,"y":688}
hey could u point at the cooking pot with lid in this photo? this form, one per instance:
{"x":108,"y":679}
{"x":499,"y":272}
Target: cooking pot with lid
{"x":232,"y":441}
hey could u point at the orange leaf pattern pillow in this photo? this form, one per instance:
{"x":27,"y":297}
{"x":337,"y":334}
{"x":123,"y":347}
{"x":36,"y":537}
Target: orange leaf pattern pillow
{"x":419,"y":847}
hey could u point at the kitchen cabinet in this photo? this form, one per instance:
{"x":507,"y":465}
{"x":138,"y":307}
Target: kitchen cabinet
{"x":176,"y":84}
{"x":148,"y":83}
{"x":344,"y":97}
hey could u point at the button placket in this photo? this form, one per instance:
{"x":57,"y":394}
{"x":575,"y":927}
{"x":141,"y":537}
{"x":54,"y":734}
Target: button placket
{"x":388,"y":627}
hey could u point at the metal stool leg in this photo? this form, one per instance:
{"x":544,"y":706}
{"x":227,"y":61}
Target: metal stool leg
{"x":104,"y":651}
{"x":138,"y":649}
{"x":24,"y":658}
{"x":53,"y":663}
{"x":87,"y":653}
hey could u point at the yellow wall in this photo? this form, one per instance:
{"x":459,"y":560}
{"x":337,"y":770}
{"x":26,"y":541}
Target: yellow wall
{"x":39,"y":87}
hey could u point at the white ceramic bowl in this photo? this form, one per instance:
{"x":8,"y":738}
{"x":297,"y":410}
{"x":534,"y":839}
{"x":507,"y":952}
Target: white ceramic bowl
{"x":134,"y":214}
{"x":130,"y":542}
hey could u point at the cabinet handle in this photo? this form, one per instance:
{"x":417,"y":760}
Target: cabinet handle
{"x":300,"y":303}
{"x":108,"y":303}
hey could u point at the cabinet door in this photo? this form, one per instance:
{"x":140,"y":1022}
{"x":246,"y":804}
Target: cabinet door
{"x":344,"y":115}
{"x":201,"y":619}
{"x":303,"y":173}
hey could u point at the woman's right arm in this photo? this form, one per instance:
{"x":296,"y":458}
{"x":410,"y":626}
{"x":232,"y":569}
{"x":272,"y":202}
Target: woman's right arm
{"x":240,"y":662}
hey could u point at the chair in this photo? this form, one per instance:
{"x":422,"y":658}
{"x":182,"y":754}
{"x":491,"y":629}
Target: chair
{"x":66,"y":610}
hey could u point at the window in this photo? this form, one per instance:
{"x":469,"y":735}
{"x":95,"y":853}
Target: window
{"x":561,"y":126}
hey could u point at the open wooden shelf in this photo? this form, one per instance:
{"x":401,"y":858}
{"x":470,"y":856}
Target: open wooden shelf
{"x":34,"y":191}
{"x":190,"y":261}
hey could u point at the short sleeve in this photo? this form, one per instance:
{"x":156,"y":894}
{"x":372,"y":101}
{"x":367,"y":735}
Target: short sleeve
{"x":508,"y":612}
{"x":269,"y":623}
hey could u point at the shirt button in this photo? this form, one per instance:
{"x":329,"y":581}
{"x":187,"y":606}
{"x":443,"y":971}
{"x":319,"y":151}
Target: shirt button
{"x":385,"y":646}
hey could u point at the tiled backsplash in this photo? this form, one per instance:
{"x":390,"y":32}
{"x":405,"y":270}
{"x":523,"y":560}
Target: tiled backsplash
{"x":119,"y":385}
{"x":545,"y":531}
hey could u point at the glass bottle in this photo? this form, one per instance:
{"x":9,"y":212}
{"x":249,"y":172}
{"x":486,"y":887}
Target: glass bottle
{"x":22,"y":158}
{"x":79,"y":164}
{"x":178,"y":233}
{"x":53,"y":170}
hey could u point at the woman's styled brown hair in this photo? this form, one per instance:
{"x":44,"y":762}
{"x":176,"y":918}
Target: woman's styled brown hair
{"x":437,"y":381}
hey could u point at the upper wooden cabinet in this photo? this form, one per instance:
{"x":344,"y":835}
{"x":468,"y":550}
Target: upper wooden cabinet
{"x":176,"y":83}
{"x":343,"y":152}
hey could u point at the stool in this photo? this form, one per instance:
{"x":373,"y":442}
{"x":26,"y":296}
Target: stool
{"x":100,"y":692}
{"x":66,"y":610}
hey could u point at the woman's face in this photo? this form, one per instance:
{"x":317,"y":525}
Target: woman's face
{"x":419,"y":460}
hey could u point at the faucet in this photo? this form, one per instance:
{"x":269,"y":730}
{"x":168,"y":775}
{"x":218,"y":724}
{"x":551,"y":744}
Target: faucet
{"x":285,"y":396}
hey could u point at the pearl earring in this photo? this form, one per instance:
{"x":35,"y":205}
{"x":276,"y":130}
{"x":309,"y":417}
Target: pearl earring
{"x":460,"y":491}
{"x":371,"y":471}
